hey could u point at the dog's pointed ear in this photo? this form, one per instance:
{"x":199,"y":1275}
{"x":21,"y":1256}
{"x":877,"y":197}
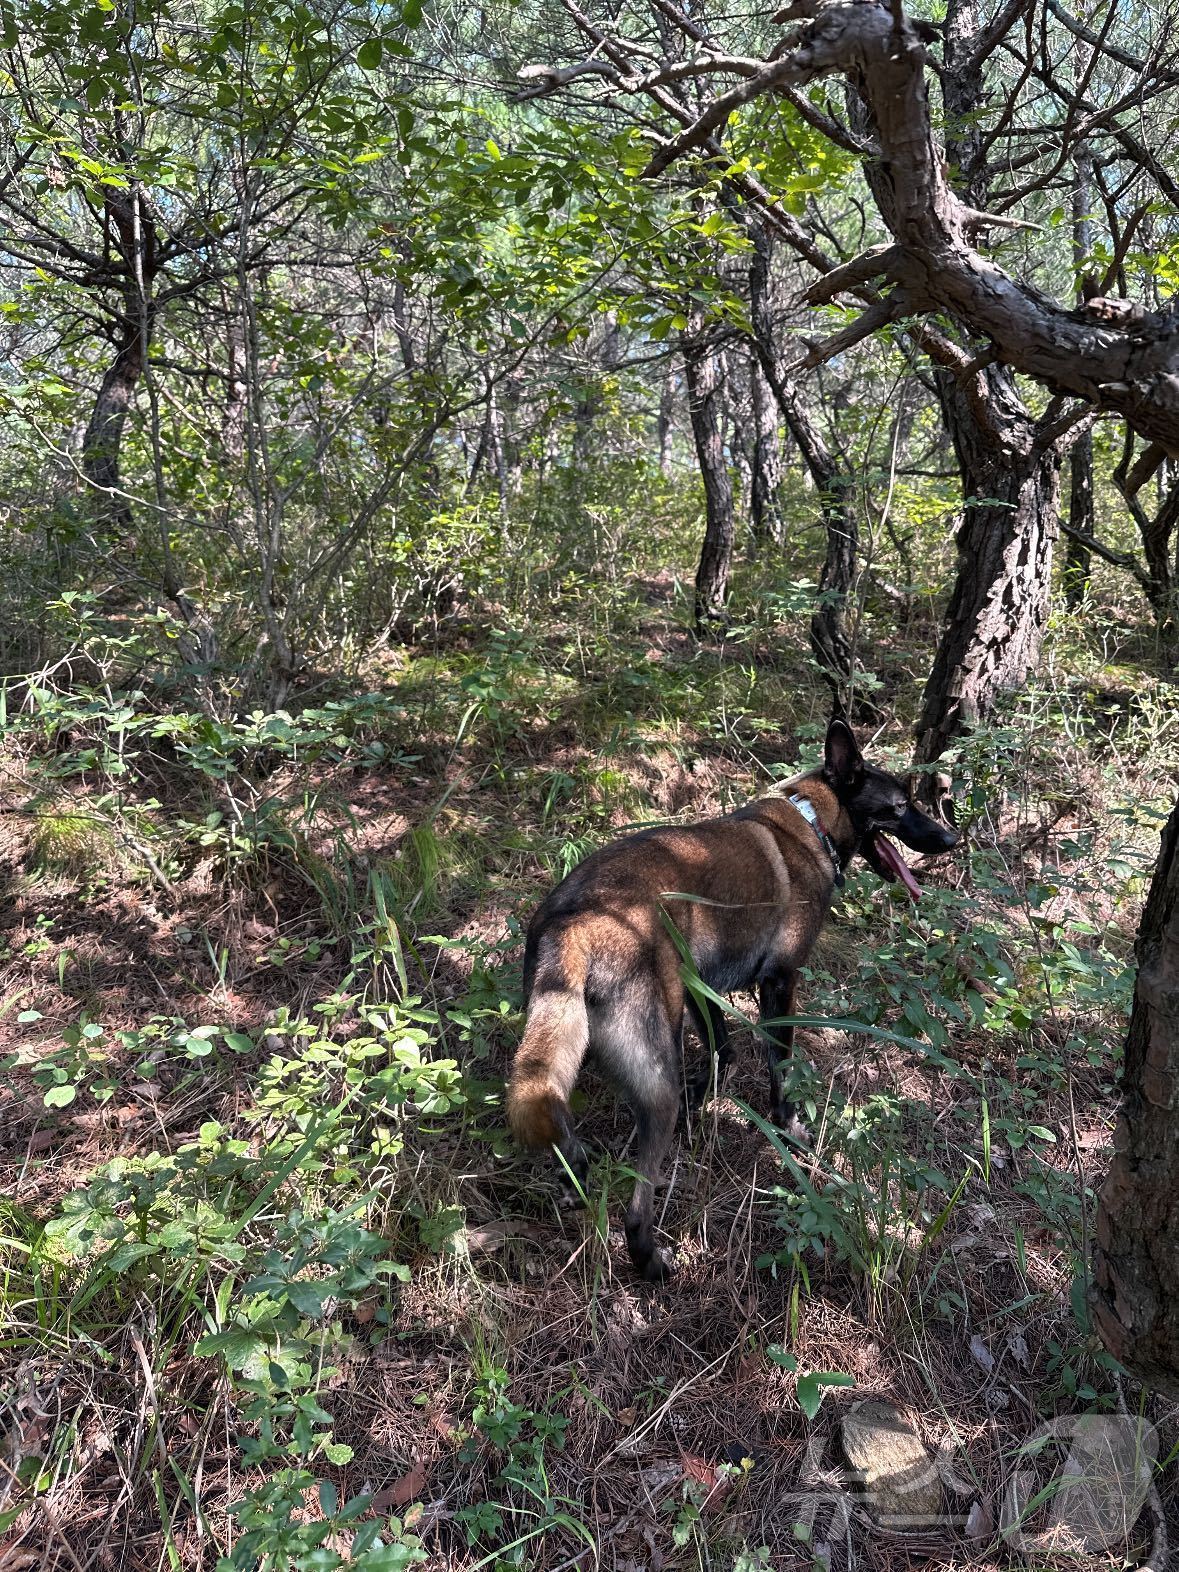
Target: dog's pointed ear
{"x":843,"y":763}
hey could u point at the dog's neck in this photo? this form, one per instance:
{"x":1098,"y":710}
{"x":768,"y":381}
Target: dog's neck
{"x":834,"y":819}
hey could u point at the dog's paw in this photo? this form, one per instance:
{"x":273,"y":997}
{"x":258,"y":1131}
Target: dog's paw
{"x":660,"y":1266}
{"x":785,"y":1116}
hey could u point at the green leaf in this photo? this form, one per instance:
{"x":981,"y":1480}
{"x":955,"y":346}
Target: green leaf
{"x":368,"y":57}
{"x":60,"y":1096}
{"x":307,"y":1298}
{"x":239,"y":1344}
{"x":411,"y":14}
{"x":329,"y":1499}
{"x":336,"y":1452}
{"x":811,"y":1388}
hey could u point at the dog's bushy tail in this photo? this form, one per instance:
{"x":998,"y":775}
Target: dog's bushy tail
{"x":554,"y":1045}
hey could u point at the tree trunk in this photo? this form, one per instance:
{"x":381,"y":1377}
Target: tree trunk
{"x":769,"y":525}
{"x":738,"y":426}
{"x":234,"y":415}
{"x":1136,"y":1259}
{"x":1077,"y":558}
{"x":999,"y":603}
{"x":702,"y":367}
{"x":103,"y":443}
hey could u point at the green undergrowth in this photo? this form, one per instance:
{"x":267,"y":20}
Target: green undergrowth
{"x":317,"y":1169}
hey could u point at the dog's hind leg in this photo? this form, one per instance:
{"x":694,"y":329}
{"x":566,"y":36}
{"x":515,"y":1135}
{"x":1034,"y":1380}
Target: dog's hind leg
{"x":713,"y":1029}
{"x":776,"y":998}
{"x":639,"y":1045}
{"x":655,"y":1122}
{"x":573,"y":1165}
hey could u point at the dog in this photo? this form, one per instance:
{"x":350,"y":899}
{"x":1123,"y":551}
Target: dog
{"x":747,"y":896}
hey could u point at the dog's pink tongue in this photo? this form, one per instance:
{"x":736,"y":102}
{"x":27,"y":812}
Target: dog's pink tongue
{"x":891,"y":858}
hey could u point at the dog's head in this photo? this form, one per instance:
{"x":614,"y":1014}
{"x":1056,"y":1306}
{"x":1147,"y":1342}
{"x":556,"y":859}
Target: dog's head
{"x":879,"y":806}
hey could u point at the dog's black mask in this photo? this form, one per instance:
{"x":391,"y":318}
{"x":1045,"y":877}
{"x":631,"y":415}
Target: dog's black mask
{"x":879,"y":806}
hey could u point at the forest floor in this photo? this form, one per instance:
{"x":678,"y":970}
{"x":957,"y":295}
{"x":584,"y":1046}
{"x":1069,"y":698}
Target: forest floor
{"x":266,"y":1241}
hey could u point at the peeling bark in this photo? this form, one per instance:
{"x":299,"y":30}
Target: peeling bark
{"x":1136,"y":1257}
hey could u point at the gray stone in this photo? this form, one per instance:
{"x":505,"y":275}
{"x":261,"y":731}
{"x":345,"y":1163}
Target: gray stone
{"x":889,"y":1462}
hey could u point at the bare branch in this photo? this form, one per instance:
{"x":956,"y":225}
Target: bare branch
{"x":1119,"y":559}
{"x":881,"y":312}
{"x":544,"y":79}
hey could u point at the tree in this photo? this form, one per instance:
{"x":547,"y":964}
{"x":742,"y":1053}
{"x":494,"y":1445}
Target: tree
{"x":703,"y":377}
{"x":1137,"y":1247}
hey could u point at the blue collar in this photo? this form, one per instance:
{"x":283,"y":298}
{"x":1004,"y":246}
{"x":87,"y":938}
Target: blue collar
{"x":807,"y":809}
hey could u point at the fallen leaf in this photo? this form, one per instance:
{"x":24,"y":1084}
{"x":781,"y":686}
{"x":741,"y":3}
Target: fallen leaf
{"x":402,"y":1491}
{"x":491,"y":1236}
{"x":981,"y":1354}
{"x":701,"y":1472}
{"x":980,"y":1525}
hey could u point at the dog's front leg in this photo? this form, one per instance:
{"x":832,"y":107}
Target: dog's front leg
{"x":713,"y":1031}
{"x":776,"y":998}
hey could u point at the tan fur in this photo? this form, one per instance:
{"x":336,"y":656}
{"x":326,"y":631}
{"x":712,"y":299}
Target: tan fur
{"x":549,"y":1057}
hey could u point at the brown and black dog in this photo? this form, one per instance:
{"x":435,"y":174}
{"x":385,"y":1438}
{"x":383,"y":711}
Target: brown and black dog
{"x":748,"y":894}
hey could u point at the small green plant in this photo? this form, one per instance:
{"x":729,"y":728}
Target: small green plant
{"x":81,"y":1062}
{"x":812,"y":1385}
{"x":519,"y":1439}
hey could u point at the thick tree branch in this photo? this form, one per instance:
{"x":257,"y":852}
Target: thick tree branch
{"x":876,"y":262}
{"x":1129,"y":367}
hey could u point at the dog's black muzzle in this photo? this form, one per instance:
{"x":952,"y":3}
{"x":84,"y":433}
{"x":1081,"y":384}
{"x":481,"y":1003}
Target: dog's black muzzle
{"x":923,"y":834}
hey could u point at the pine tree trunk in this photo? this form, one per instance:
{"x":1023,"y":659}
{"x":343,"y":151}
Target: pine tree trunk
{"x":702,"y":366}
{"x":1136,"y":1259}
{"x":999,"y":604}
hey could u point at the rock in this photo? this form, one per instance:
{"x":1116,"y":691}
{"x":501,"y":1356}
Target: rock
{"x":889,"y":1462}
